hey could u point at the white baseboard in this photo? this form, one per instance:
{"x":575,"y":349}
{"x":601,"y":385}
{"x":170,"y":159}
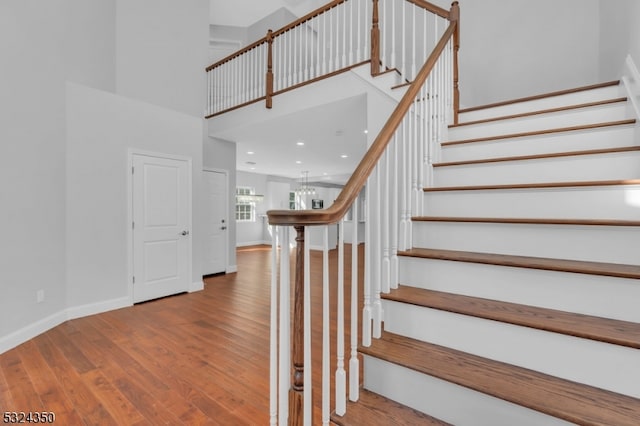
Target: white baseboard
{"x":231,"y":269}
{"x":29,"y":332}
{"x":196,"y":286}
{"x":97,"y":308}
{"x":18,"y":337}
{"x":253,"y":243}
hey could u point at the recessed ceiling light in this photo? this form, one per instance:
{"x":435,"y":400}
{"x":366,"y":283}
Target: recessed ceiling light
{"x":366,"y":131}
{"x":300,"y":143}
{"x":250,"y":152}
{"x":298,"y":162}
{"x":344,"y":156}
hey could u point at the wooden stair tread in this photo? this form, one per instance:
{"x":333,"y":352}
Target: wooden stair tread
{"x":571,"y":401}
{"x":540,"y":156}
{"x":541,"y":132}
{"x":541,"y":185}
{"x":533,"y":221}
{"x":376,"y":410}
{"x":542,"y":96}
{"x":607,"y":330}
{"x":541,"y":112}
{"x":547,"y":264}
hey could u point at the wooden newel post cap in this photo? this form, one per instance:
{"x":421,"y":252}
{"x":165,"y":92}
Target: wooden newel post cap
{"x":454,"y":12}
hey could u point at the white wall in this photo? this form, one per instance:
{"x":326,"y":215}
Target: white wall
{"x":516,"y":48}
{"x":44,"y":45}
{"x":619,"y":36}
{"x":162,"y":51}
{"x":32,"y":162}
{"x":97,"y":173}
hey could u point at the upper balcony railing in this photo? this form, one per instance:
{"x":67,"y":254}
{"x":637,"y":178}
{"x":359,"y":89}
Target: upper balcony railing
{"x":390,"y":34}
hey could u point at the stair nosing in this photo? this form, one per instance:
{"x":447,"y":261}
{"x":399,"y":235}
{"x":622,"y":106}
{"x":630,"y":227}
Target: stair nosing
{"x":566,"y":108}
{"x":519,"y":385}
{"x":542,"y":96}
{"x":584,"y":326}
{"x":541,"y":185}
{"x":624,"y":122}
{"x":539,"y":156}
{"x":616,"y":270}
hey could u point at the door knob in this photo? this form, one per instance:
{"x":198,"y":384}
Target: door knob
{"x":185,"y":232}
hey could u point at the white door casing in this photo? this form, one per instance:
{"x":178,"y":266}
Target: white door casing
{"x":216,"y":222}
{"x":161,"y":226}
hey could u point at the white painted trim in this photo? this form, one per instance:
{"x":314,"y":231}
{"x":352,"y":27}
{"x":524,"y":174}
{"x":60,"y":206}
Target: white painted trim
{"x":135,"y":151}
{"x":97,"y":308}
{"x":18,"y":337}
{"x":225,"y":172}
{"x":254,"y":243}
{"x":631,"y":82}
{"x":231,"y":269}
{"x":196,"y":286}
{"x":24,"y":334}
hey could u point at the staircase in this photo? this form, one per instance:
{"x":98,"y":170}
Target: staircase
{"x":517,"y":303}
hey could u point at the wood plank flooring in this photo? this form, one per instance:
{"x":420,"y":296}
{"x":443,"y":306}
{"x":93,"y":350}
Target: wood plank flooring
{"x":193,"y":359}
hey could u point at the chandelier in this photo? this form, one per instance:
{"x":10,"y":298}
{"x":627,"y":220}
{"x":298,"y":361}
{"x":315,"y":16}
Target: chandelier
{"x":304,"y":188}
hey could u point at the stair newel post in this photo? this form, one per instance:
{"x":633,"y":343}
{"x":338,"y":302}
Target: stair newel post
{"x":269,"y":78}
{"x":454,"y":16}
{"x":375,"y":41}
{"x":296,"y":392}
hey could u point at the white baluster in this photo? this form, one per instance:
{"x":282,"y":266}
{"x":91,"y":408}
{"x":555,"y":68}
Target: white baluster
{"x":404,"y":41}
{"x":305,"y":28}
{"x":413,"y":42}
{"x":367,"y":315}
{"x":308,"y":382}
{"x":285,"y":328}
{"x":326,"y":332}
{"x":392,"y":30}
{"x":402,"y":184}
{"x":341,"y":377}
{"x":351,"y":28}
{"x":377,"y":252}
{"x":407,"y":184}
{"x":273,"y":338}
{"x":354,"y":363}
{"x":394,"y":212}
{"x":324,"y":42}
{"x":421,"y":150}
{"x":366,"y":32}
{"x":331,"y":31}
{"x":344,"y":35}
{"x":385,"y":277}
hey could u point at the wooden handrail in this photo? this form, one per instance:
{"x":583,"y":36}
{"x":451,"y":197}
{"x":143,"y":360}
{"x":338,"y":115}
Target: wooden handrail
{"x":443,"y":13}
{"x":236,"y":54}
{"x":308,"y":16}
{"x":362,"y":172}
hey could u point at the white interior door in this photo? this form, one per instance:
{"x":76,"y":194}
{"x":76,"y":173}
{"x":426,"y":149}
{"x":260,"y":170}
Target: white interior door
{"x":216,"y":222}
{"x":161,"y":231}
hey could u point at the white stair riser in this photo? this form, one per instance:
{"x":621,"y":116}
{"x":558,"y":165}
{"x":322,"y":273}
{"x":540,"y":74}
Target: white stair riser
{"x":607,"y":137}
{"x":596,"y":295}
{"x":610,"y":166}
{"x":578,"y":117}
{"x":613,"y":244}
{"x":449,"y":402}
{"x":597,"y":202}
{"x":546,"y":103}
{"x":580,"y":360}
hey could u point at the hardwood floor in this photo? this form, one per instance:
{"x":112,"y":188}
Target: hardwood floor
{"x":200,"y":358}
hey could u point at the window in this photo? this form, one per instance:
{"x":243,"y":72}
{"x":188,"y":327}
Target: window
{"x":245,"y":210}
